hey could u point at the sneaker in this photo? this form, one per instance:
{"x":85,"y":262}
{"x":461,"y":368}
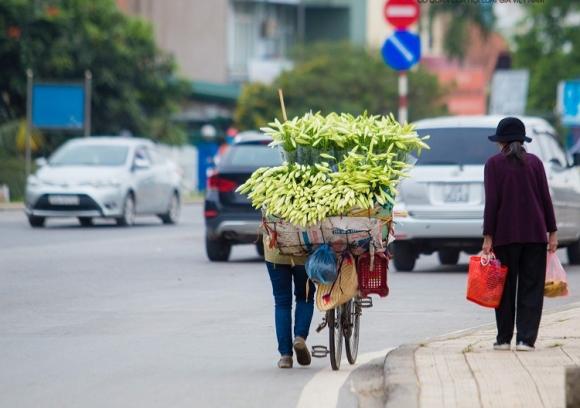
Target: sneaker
{"x":502,"y":346}
{"x":285,"y":362}
{"x":522,"y":346}
{"x":302,"y":353}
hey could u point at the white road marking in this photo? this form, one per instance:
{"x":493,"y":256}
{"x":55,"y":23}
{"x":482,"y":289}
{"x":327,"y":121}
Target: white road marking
{"x":323,"y":389}
{"x":399,"y":46}
{"x":401,"y":11}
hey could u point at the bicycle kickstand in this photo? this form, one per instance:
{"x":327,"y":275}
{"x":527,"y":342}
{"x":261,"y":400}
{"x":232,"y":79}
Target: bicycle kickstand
{"x":322,"y":325}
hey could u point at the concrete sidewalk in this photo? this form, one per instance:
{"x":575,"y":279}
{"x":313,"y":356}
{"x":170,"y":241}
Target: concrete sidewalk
{"x":19,"y":206}
{"x":13,"y":206}
{"x":463,"y":370}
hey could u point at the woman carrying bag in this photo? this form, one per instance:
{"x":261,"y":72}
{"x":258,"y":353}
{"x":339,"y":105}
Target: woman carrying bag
{"x":518,"y":223}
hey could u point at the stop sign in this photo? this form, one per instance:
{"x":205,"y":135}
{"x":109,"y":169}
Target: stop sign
{"x":401,"y":13}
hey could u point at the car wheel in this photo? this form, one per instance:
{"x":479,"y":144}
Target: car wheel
{"x":86,"y":221}
{"x":128,"y":217}
{"x":574,"y":253}
{"x":172,"y":214}
{"x":404,"y":256}
{"x":36,"y":222}
{"x":218,"y":250}
{"x":260,"y":247}
{"x":448,"y":256}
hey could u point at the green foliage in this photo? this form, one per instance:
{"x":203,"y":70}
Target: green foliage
{"x":12,"y":173}
{"x":337,"y":78}
{"x":133,"y":82}
{"x":461,"y":15}
{"x":550,"y":49}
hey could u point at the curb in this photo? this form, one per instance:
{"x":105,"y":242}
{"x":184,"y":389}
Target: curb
{"x":367,"y":384}
{"x":20,"y":206}
{"x":11,"y":206}
{"x":400,"y":378}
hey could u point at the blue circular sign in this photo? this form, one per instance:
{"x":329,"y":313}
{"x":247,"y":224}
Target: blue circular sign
{"x":402,"y":50}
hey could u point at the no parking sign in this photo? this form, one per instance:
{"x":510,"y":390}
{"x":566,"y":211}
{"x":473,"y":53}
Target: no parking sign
{"x":402,"y":50}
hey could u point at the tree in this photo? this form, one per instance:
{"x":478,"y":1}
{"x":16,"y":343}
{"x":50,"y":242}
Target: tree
{"x":337,"y":78}
{"x":550,"y":49}
{"x":456,"y":37}
{"x":134,"y":85}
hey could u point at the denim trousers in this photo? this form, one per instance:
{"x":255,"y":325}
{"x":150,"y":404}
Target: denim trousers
{"x":282,"y":277}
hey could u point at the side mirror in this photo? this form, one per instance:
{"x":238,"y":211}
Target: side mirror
{"x":141,"y":164}
{"x":41,"y":162}
{"x":576,"y":159}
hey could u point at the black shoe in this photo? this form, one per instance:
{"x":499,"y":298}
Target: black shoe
{"x":302,"y":353}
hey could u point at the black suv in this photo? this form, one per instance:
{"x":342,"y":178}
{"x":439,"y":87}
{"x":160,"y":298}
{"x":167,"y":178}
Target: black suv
{"x":230,"y":219}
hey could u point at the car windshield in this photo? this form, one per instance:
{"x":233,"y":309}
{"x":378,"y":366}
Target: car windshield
{"x":458,"y":145}
{"x":252,"y":155}
{"x":90,"y":155}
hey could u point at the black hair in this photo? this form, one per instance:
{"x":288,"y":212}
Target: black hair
{"x":515,"y":152}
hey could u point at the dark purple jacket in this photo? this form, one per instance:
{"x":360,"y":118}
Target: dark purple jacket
{"x":518,"y":207}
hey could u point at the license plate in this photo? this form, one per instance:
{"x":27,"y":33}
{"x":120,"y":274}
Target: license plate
{"x":456,"y":193}
{"x":63,"y":200}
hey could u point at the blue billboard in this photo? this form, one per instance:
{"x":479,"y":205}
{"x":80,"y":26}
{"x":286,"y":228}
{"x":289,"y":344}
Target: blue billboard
{"x":58,"y":106}
{"x":569,"y":102}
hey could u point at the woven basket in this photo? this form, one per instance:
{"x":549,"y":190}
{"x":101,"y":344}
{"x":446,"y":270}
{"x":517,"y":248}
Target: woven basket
{"x":344,"y":288}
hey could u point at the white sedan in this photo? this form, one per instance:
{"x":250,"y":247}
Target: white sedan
{"x":109,"y":177}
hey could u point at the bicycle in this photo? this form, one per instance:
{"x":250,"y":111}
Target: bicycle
{"x":343,"y":323}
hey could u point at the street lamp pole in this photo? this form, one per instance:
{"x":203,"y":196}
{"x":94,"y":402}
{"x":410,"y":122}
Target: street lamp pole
{"x":88,"y":91}
{"x":29,"y":81}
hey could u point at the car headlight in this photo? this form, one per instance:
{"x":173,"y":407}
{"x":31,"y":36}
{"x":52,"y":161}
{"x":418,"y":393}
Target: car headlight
{"x":33,"y":181}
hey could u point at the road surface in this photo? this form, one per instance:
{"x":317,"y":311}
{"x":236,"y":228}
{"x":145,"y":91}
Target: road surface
{"x":137,"y":317}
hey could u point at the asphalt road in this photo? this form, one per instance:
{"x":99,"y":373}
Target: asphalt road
{"x":137,"y":317}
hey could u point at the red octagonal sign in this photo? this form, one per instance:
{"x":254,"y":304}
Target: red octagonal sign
{"x":401,"y":13}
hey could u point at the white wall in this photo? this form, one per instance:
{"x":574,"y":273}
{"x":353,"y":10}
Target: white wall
{"x":185,"y":157}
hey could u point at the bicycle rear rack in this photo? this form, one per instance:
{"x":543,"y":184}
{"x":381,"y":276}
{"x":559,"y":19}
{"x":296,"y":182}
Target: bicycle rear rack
{"x":320,"y":351}
{"x":365,"y":302}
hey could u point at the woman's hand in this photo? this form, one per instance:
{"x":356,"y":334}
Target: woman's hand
{"x":487,"y":245}
{"x":553,"y":242}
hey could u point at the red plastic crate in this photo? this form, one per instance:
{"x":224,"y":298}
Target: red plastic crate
{"x":373,"y":281}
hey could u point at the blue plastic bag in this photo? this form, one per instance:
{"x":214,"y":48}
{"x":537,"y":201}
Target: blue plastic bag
{"x":321,"y":265}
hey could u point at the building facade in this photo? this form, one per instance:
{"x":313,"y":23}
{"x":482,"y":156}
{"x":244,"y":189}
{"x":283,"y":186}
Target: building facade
{"x":233,"y":41}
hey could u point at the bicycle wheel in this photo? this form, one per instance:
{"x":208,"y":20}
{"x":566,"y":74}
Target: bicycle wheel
{"x":334,"y":320}
{"x":352,"y":312}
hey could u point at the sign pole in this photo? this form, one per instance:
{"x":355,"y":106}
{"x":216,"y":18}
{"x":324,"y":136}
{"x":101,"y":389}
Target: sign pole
{"x":403,"y":100}
{"x":29,"y":80}
{"x":88,"y":89}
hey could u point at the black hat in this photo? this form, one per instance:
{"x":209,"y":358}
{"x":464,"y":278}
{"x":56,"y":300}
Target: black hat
{"x":510,"y":129}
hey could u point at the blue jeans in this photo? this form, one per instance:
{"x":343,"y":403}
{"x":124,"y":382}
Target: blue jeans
{"x":281,"y":277}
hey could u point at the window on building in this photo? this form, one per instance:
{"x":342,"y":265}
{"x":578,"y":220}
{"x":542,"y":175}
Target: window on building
{"x":260,"y":31}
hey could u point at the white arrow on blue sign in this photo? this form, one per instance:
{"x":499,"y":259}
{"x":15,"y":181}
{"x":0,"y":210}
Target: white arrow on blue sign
{"x":402,"y":50}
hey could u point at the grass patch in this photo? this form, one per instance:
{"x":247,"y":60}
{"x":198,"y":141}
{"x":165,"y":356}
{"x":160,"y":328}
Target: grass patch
{"x":468,"y":349}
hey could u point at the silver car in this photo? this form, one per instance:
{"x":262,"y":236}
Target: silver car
{"x":440,"y":207}
{"x":110,"y":177}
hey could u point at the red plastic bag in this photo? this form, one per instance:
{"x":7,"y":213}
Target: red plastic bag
{"x":556,"y":282}
{"x":486,"y":281}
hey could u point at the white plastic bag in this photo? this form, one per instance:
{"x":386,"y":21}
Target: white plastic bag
{"x":556,"y":282}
